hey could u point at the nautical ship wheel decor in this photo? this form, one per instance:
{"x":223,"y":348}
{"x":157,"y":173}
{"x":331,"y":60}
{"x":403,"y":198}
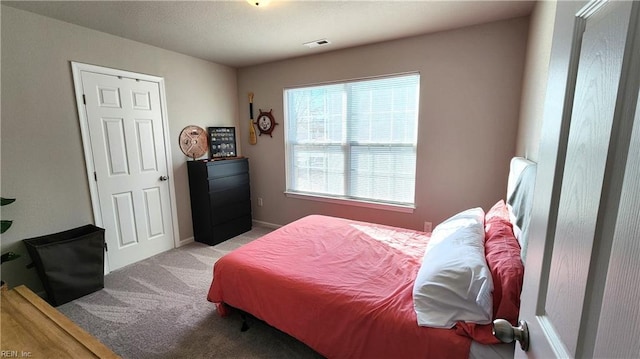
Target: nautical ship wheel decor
{"x":266,"y":123}
{"x":193,"y":141}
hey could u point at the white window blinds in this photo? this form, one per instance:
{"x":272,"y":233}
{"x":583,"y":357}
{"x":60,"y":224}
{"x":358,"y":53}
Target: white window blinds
{"x":354,"y":140}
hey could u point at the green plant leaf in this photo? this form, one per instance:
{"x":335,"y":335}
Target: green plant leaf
{"x":4,"y":225}
{"x":6,"y":201}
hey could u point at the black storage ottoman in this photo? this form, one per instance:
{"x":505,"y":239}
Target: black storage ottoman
{"x":70,"y":264}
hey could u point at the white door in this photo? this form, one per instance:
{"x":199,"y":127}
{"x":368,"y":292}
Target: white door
{"x":580,"y":296}
{"x":127,"y":142}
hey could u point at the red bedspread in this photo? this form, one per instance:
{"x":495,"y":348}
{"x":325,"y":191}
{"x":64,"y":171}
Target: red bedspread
{"x":342,"y":287}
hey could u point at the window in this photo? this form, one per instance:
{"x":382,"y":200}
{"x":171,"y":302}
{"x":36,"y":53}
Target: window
{"x":354,"y":140}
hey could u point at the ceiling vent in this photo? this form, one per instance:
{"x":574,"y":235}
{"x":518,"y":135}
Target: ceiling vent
{"x":317,"y":43}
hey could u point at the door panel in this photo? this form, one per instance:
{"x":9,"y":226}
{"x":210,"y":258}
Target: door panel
{"x":125,"y":125}
{"x":146,"y":145}
{"x":153,"y":208}
{"x":619,"y":322}
{"x":141,"y":100}
{"x":123,"y":215}
{"x":590,"y":131}
{"x":108,"y":97}
{"x":560,"y":301}
{"x":115,"y":148}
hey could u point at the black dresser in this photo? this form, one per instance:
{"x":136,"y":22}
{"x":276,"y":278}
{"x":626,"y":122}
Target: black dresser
{"x":220,"y":199}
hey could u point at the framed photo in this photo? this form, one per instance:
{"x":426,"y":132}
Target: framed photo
{"x":222,"y":142}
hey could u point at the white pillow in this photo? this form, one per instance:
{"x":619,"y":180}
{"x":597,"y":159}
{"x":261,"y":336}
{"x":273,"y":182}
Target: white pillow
{"x":454,"y":282}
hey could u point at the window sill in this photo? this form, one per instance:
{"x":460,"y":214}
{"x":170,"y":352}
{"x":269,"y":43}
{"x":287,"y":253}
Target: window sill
{"x":352,"y":202}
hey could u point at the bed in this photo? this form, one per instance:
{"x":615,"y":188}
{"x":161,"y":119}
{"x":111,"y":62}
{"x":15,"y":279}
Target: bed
{"x":352,"y":289}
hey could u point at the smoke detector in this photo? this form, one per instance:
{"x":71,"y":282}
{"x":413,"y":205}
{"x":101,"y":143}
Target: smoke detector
{"x":317,"y":43}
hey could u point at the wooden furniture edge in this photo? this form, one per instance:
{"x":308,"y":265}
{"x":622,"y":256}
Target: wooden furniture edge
{"x":66,"y":324}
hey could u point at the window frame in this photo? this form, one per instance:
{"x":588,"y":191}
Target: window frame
{"x":345,"y":150}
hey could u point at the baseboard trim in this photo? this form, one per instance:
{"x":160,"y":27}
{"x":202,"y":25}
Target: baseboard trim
{"x":266,"y":224}
{"x":182,"y":242}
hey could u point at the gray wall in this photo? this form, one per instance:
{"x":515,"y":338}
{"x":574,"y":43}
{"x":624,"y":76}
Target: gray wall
{"x":471,"y":81}
{"x":534,"y":86}
{"x":43,"y":165}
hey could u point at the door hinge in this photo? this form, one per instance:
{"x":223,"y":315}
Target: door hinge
{"x":84,"y":99}
{"x":95,"y":176}
{"x":106,"y":248}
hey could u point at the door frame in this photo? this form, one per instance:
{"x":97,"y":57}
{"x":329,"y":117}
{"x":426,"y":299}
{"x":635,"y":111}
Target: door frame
{"x":77,"y":68}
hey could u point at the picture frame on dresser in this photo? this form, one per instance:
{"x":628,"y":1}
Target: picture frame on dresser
{"x":222,"y":142}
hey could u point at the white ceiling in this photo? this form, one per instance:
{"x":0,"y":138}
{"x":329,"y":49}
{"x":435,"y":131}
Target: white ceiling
{"x":237,"y":34}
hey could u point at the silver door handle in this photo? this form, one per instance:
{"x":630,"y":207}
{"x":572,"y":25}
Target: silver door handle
{"x":164,"y":178}
{"x":506,"y":333}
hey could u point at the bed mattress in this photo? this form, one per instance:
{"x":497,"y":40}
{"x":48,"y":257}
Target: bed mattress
{"x":342,"y":287}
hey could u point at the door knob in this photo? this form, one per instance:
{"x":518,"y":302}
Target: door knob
{"x":506,"y":333}
{"x":164,"y":178}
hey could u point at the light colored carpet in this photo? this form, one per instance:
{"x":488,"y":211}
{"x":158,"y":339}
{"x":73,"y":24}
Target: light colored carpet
{"x":157,"y":308}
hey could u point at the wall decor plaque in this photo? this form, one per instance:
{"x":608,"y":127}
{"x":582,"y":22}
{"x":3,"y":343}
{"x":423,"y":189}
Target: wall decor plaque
{"x":193,"y":141}
{"x":222,"y":142}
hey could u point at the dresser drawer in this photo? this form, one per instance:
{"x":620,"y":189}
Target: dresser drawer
{"x":225,"y":183}
{"x":230,"y":229}
{"x":219,"y":199}
{"x":227,"y":168}
{"x":222,"y":214}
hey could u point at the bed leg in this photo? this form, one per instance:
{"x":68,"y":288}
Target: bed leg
{"x":245,"y":325}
